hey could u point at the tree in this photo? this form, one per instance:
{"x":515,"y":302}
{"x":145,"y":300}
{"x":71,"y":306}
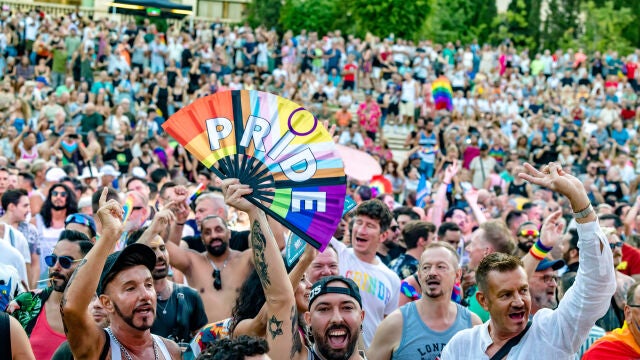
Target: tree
{"x":562,"y":25}
{"x":462,"y":20}
{"x":402,"y":18}
{"x":604,"y":28}
{"x":264,"y":12}
{"x":513,"y":25}
{"x":314,"y":15}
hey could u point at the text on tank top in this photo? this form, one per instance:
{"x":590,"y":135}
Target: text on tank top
{"x":419,"y":341}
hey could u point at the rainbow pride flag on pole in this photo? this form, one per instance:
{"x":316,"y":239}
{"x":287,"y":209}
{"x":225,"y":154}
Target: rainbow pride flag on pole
{"x":442,"y":93}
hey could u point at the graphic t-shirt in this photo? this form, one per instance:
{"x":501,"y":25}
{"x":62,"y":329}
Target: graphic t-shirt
{"x":379,"y":287}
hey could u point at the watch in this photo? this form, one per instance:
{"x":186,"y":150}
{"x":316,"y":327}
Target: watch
{"x":583,"y":213}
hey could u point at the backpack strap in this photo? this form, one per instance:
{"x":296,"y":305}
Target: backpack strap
{"x":504,"y":350}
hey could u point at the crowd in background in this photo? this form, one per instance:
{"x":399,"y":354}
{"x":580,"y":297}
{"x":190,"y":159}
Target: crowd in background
{"x":82,"y":102}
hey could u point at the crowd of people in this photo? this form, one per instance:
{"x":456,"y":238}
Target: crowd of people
{"x":475,"y":252}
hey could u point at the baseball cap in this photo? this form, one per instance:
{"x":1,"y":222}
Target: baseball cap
{"x":545,"y":263}
{"x":138,"y":254}
{"x":321,"y":288}
{"x":109,"y":170}
{"x":82,"y":219}
{"x":43,"y":80}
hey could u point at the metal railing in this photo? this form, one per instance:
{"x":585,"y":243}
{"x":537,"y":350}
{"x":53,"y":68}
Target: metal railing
{"x":60,"y":10}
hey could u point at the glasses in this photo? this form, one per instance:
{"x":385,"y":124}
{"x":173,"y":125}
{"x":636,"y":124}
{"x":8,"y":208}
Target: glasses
{"x":394,"y":228}
{"x":549,"y":278}
{"x":59,"y":193}
{"x":634,"y":305}
{"x":137,"y":208}
{"x":613,"y":246}
{"x":532,"y":233}
{"x":217,"y":282}
{"x":65,"y":261}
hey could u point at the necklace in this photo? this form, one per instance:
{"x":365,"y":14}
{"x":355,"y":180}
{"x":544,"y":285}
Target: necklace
{"x":217,"y":278}
{"x":125,"y":352}
{"x":168,"y":299}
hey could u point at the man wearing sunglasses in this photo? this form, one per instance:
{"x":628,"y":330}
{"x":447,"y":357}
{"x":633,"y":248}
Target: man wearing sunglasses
{"x":39,"y":312}
{"x":527,"y":235}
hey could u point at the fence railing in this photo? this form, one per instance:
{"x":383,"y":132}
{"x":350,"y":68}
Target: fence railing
{"x":60,"y":10}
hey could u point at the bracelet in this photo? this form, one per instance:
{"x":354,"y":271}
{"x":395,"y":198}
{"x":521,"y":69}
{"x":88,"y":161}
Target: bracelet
{"x":180,"y":223}
{"x":539,"y":251}
{"x":583,"y":213}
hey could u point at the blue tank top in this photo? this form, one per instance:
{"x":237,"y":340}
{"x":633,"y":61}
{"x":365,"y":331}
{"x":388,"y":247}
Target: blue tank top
{"x":421,"y":343}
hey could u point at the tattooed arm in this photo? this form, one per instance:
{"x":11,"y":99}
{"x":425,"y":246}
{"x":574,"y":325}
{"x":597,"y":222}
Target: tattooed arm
{"x":280,"y":301}
{"x":85,"y":337}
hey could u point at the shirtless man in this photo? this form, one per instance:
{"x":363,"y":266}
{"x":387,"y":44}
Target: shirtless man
{"x":217,"y":273}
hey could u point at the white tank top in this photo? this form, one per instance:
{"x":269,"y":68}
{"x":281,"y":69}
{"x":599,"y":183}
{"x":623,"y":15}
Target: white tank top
{"x":116,"y":353}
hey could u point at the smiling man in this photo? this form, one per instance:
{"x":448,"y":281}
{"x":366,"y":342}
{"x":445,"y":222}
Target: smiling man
{"x":503,"y":290}
{"x":379,"y":286}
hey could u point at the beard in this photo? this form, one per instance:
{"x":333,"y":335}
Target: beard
{"x":327,"y":352}
{"x":160,"y":274}
{"x":217,"y":250}
{"x":546,"y":302}
{"x":525,"y":246}
{"x":128,"y":319}
{"x":58,"y":207}
{"x":58,"y":287}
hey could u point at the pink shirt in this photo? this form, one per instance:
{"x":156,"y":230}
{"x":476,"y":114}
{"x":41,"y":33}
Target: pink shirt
{"x":44,"y":341}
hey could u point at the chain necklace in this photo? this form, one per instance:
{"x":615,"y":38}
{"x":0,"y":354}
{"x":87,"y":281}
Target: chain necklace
{"x":125,"y":352}
{"x":168,"y":299}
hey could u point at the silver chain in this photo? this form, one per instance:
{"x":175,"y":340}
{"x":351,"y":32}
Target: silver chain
{"x":125,"y":352}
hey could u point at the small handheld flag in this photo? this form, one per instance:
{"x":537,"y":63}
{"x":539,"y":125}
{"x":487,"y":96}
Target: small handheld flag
{"x":201,"y":187}
{"x":128,"y":206}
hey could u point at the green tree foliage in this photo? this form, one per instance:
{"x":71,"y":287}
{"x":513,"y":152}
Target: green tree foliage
{"x":314,"y":15}
{"x":462,"y":20}
{"x":513,"y":25}
{"x":604,"y":28}
{"x":562,"y":25}
{"x":402,"y":18}
{"x":264,"y":12}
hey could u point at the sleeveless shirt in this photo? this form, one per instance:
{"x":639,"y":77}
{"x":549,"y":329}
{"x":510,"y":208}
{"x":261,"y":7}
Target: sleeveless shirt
{"x":419,"y":341}
{"x":116,"y":352}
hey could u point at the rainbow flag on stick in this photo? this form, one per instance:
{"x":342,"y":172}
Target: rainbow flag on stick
{"x":442,"y":93}
{"x":128,"y":206}
{"x":201,"y":187}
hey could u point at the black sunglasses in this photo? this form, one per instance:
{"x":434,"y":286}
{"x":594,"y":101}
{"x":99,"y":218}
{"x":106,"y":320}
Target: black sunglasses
{"x":65,"y":261}
{"x":61,"y":193}
{"x":634,"y":305}
{"x":217,"y":282}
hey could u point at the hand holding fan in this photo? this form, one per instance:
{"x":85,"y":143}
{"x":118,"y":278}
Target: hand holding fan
{"x":276,"y":147}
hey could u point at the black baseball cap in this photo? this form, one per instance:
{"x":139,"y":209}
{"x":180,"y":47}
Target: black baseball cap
{"x":138,"y":254}
{"x":321,"y":288}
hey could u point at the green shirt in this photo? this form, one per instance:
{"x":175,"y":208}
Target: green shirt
{"x":59,"y":61}
{"x":475,"y":307}
{"x":536,"y":67}
{"x":91,"y":122}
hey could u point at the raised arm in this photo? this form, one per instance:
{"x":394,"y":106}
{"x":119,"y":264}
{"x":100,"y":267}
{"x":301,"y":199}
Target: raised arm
{"x":282,"y":334}
{"x":441,"y":195}
{"x":85,"y":337}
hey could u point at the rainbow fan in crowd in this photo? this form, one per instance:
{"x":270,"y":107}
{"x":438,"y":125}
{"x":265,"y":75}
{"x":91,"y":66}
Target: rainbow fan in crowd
{"x":442,"y":93}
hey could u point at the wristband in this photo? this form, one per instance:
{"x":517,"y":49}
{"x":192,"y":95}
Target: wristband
{"x":539,"y":251}
{"x":583,"y":213}
{"x":180,"y":223}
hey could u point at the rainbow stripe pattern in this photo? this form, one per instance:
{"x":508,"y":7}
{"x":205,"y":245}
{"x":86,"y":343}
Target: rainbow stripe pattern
{"x":275,"y":146}
{"x":128,"y":206}
{"x":442,"y":93}
{"x":201,"y":187}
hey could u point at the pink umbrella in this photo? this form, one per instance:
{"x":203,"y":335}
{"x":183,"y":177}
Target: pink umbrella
{"x":358,"y":164}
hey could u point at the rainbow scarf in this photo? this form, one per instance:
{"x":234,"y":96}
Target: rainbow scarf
{"x":442,"y":93}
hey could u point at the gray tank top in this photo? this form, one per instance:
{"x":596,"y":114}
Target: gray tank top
{"x":421,"y":343}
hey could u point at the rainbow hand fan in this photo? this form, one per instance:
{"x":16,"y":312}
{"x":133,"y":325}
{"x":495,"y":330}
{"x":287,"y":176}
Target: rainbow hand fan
{"x":442,"y":93}
{"x":276,"y":147}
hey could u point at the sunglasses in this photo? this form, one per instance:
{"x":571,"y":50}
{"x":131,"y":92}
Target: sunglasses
{"x":532,"y":233}
{"x":613,"y":246}
{"x":217,"y":282}
{"x":137,"y":208}
{"x":634,"y":305}
{"x":76,"y":219}
{"x":59,"y":193}
{"x":65,"y":261}
{"x":394,"y":228}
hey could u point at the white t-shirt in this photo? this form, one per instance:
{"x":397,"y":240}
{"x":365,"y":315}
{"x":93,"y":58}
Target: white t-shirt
{"x":10,"y":256}
{"x":15,"y":238}
{"x":379,"y":287}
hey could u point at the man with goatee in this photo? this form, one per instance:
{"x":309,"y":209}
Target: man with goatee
{"x":39,"y":311}
{"x":421,"y":329}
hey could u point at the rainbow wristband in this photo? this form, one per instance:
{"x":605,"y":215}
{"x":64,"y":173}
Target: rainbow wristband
{"x":539,"y":251}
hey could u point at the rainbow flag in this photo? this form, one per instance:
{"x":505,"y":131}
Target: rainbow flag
{"x":201,"y":187}
{"x":128,"y":206}
{"x":442,"y":93}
